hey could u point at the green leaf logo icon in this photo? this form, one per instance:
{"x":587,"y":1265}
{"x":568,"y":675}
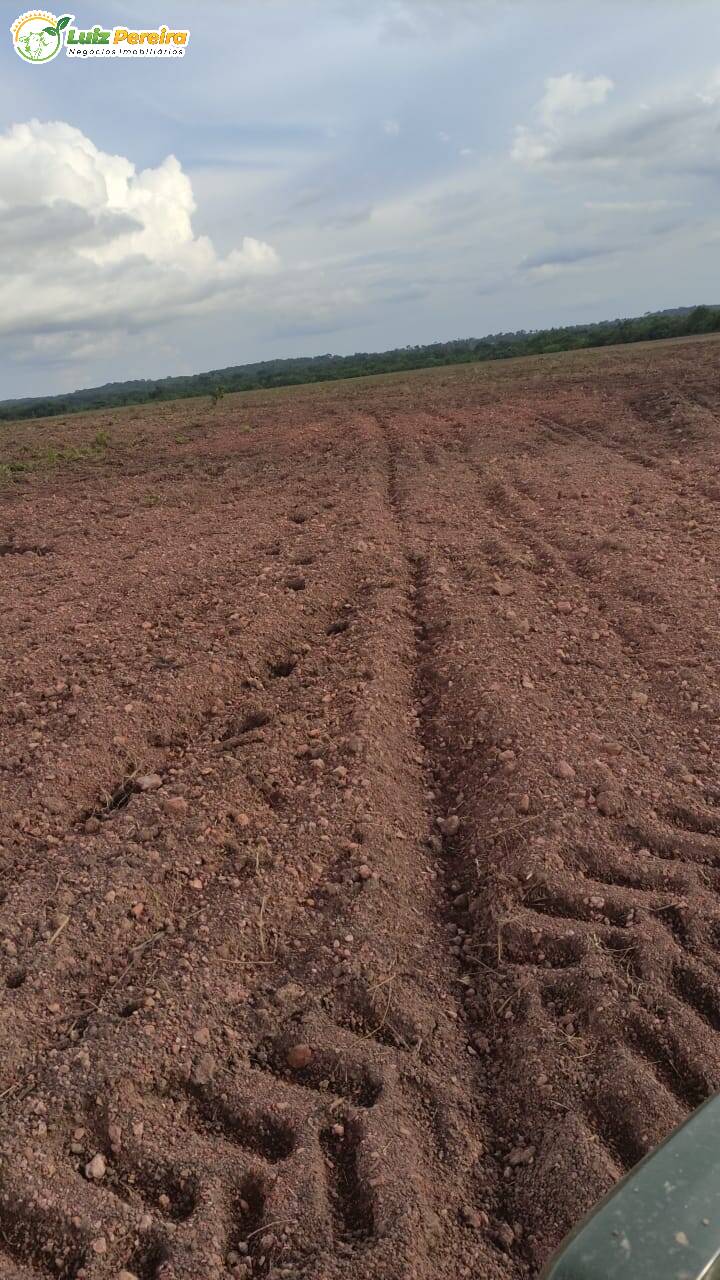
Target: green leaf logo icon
{"x":55,"y":31}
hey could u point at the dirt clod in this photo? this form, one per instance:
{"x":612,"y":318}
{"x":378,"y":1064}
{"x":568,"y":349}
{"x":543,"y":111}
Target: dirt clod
{"x":299,"y":1056}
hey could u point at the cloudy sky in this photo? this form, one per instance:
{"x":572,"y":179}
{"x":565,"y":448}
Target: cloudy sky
{"x":331,"y":175}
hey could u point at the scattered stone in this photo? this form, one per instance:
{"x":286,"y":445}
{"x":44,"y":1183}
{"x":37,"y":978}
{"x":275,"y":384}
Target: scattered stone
{"x":290,"y":996}
{"x":500,"y":588}
{"x":92,"y":826}
{"x":449,"y":826}
{"x":175,"y":804}
{"x":564,"y":770}
{"x":364,"y":871}
{"x":503,"y":1235}
{"x":148,"y":782}
{"x":299,"y":1057}
{"x":639,"y":698}
{"x":96,"y":1168}
{"x":202,"y":1036}
{"x":564,"y":606}
{"x":296,"y":584}
{"x":608,"y":802}
{"x":474,"y":1218}
{"x":521,"y":1155}
{"x":524,"y":803}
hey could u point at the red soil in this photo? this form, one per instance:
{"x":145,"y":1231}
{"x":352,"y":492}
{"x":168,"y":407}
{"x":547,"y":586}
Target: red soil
{"x":359,"y":818}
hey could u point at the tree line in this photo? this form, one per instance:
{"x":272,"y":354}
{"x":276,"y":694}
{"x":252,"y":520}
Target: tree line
{"x":674,"y":323}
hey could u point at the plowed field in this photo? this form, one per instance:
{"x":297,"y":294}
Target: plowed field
{"x":359,"y":817}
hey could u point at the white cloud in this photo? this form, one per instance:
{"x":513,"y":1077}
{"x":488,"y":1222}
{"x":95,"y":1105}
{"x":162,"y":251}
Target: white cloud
{"x":105,"y":247}
{"x":674,"y":133}
{"x":528,"y":148}
{"x":570,"y":94}
{"x":564,"y":98}
{"x":391,"y":128}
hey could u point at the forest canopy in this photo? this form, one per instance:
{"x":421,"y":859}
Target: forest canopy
{"x":674,"y":323}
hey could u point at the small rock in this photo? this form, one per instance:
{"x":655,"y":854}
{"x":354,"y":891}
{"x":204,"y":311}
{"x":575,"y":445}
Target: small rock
{"x":289,"y":996}
{"x":503,"y":1235}
{"x":202,"y":1036}
{"x":148,"y":782}
{"x":299,"y":1057}
{"x":521,"y":1155}
{"x":92,"y":826}
{"x":96,"y":1168}
{"x":524,"y":803}
{"x":502,"y":588}
{"x":639,"y":698}
{"x":364,"y":871}
{"x":296,"y":584}
{"x":608,"y":803}
{"x":564,"y":770}
{"x":175,"y":804}
{"x":473,"y":1218}
{"x":564,"y":606}
{"x":449,"y":826}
